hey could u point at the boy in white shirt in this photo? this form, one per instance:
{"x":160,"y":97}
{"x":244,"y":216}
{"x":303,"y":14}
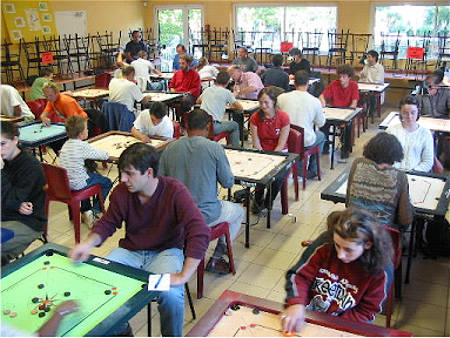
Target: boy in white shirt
{"x":73,"y":154}
{"x":143,"y":68}
{"x":13,"y":104}
{"x":153,"y":122}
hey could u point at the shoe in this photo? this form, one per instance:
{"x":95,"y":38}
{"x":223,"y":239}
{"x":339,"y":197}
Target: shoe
{"x":128,"y":332}
{"x":218,"y":265}
{"x":88,"y":218}
{"x":257,"y":208}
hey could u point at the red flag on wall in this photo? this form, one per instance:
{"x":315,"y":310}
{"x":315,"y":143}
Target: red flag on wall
{"x":286,"y":47}
{"x":414,"y":53}
{"x":47,"y":58}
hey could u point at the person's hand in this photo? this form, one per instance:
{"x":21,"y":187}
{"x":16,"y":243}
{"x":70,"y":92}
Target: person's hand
{"x":80,"y":252}
{"x":145,"y":138}
{"x":26,"y":208}
{"x":66,"y":308}
{"x":177,"y":279}
{"x":46,"y":121}
{"x":293,"y":318}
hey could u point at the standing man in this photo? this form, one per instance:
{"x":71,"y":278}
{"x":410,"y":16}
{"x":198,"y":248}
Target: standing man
{"x":247,"y":84}
{"x":13,"y":104}
{"x":245,"y":62}
{"x":23,"y":195}
{"x":305,"y":111}
{"x":161,"y":220}
{"x":372,"y":72}
{"x":200,"y":164}
{"x":133,"y":47}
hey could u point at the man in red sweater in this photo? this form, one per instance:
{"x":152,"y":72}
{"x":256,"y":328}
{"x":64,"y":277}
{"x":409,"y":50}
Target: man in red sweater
{"x":161,"y":219}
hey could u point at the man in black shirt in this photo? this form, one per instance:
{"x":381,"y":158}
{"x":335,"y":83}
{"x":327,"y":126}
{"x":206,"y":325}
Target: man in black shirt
{"x":133,"y":47}
{"x":299,"y":63}
{"x":23,"y":196}
{"x":276,"y":76}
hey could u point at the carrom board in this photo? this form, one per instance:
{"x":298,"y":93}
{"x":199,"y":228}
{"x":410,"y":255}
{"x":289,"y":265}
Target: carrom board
{"x":238,"y":315}
{"x":163,"y":97}
{"x":115,"y":142}
{"x":90,"y":93}
{"x":340,"y":114}
{"x":428,"y":193}
{"x":373,"y":87}
{"x":252,"y":165}
{"x":164,"y":76}
{"x":310,"y":82}
{"x":35,"y":133}
{"x":107,"y":293}
{"x":12,"y":119}
{"x":249,"y":106}
{"x":431,"y":123}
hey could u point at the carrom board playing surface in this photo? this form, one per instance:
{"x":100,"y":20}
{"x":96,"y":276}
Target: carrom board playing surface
{"x":252,"y":165}
{"x":238,"y":315}
{"x":164,"y":76}
{"x":35,"y":133}
{"x":39,"y":282}
{"x":162,"y":97}
{"x":431,"y":123}
{"x":373,"y":87}
{"x":340,"y":114}
{"x":90,"y":93}
{"x":116,"y":142}
{"x":249,"y":105}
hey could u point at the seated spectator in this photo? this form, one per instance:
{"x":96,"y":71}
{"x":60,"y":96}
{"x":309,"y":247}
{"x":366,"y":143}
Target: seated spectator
{"x":143,"y":68}
{"x":153,"y":122}
{"x":437,"y":102}
{"x":276,"y":76}
{"x":214,"y":100}
{"x":124,"y":90}
{"x":46,"y":75}
{"x":376,"y":186}
{"x":299,"y":63}
{"x":13,"y":104}
{"x":180,"y":49}
{"x":23,"y":194}
{"x":245,"y":62}
{"x":200,"y":164}
{"x":73,"y":155}
{"x":247,"y":84}
{"x":417,"y":142}
{"x":344,"y":274}
{"x":305,"y":111}
{"x":269,"y":129}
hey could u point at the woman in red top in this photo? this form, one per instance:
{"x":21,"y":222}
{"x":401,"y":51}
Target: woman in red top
{"x":343,"y":273}
{"x":269,"y":128}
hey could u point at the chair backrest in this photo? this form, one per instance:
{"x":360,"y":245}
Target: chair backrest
{"x":102,"y":80}
{"x":396,"y":238}
{"x":438,"y":168}
{"x":176,"y":129}
{"x":57,"y":182}
{"x":294,"y":141}
{"x":118,"y":116}
{"x":301,"y":138}
{"x":37,"y":107}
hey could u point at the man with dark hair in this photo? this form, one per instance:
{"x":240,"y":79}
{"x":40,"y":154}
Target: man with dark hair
{"x":437,"y":102}
{"x":299,"y":63}
{"x":161,"y":220}
{"x":153,"y":122}
{"x":276,"y":76}
{"x":200,"y":164}
{"x":124,"y":90}
{"x":245,"y":62}
{"x":133,"y":47}
{"x":180,"y":49}
{"x":186,"y":80}
{"x":214,"y":101}
{"x":45,"y":75}
{"x":305,"y":111}
{"x":23,"y":195}
{"x":372,"y":72}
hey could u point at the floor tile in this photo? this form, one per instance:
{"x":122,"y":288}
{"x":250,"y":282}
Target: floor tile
{"x":261,"y":276}
{"x":422,"y":315}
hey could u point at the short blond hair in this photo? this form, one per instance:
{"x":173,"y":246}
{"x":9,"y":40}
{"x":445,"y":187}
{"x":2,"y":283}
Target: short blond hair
{"x":50,"y":85}
{"x":75,"y":125}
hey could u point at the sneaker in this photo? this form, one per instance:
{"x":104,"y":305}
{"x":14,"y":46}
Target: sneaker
{"x":218,"y":265}
{"x":88,"y":218}
{"x":257,"y":208}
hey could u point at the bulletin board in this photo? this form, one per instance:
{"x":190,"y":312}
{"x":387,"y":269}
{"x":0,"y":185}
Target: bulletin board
{"x":28,"y":19}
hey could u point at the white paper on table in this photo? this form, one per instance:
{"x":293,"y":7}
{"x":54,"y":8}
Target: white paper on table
{"x":163,"y":282}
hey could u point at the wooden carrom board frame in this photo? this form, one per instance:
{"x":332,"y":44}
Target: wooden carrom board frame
{"x":115,"y":159}
{"x":431,"y":123}
{"x":229,"y":298}
{"x":373,"y":87}
{"x":78,"y":94}
{"x":12,"y":119}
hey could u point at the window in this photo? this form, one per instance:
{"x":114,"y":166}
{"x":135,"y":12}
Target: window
{"x":267,"y":27}
{"x":415,"y":25}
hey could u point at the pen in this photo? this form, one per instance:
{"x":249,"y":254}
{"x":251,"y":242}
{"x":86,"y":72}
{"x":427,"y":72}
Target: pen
{"x":159,"y":281}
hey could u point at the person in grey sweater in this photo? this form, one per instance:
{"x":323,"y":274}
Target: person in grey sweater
{"x":200,"y":163}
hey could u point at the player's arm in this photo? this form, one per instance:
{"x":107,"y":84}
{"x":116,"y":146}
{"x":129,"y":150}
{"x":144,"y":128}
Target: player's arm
{"x":293,"y":318}
{"x":156,"y":71}
{"x":284,"y":134}
{"x":199,"y":100}
{"x":248,"y":90}
{"x":255,"y":138}
{"x":322,"y":100}
{"x":50,"y":328}
{"x":354,"y":104}
{"x":236,"y":105}
{"x":82,"y":250}
{"x":17,"y":110}
{"x":136,"y":133}
{"x":189,"y":267}
{"x":145,"y":99}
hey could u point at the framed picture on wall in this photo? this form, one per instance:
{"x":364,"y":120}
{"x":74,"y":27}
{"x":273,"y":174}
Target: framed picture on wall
{"x":46,"y":30}
{"x":19,"y":21}
{"x":9,"y":8}
{"x":43,"y":6}
{"x":16,"y":35}
{"x":47,"y":17}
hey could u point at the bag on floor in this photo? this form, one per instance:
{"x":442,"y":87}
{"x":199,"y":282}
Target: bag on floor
{"x":437,"y":238}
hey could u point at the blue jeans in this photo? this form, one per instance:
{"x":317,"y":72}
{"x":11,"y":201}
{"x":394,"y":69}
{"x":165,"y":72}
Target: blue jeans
{"x":320,"y":141}
{"x":155,"y":85}
{"x":171,"y":303}
{"x":105,"y":184}
{"x":228,"y":126}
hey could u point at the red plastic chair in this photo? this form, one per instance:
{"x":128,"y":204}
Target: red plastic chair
{"x":59,"y":190}
{"x":102,"y":80}
{"x":218,"y":137}
{"x":176,"y":129}
{"x":37,"y":107}
{"x":216,"y":232}
{"x":438,"y":168}
{"x":396,"y":285}
{"x":298,"y":148}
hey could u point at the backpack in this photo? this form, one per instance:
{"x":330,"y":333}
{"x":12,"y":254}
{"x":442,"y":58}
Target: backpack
{"x":437,"y":238}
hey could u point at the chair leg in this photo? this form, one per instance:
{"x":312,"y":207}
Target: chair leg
{"x":75,"y":207}
{"x":295,"y":178}
{"x":191,"y":303}
{"x":200,"y":273}
{"x":149,"y":319}
{"x":389,"y":306}
{"x":319,"y":175}
{"x":304,"y":170}
{"x":230,"y":251}
{"x":284,"y":197}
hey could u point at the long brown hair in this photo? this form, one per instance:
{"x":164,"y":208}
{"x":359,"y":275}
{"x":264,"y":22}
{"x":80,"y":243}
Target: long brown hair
{"x":360,"y":226}
{"x":272,"y":92}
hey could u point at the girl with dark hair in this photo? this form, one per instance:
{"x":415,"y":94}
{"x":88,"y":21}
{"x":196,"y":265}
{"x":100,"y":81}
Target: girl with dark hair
{"x":343,"y":273}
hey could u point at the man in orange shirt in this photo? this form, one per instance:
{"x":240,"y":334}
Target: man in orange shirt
{"x":59,"y":106}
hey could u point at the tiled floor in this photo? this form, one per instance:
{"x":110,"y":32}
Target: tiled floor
{"x":424,"y":309}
